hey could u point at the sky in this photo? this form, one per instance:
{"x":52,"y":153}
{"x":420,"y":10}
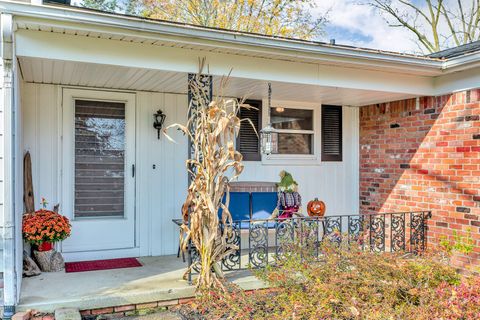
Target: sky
{"x":359,"y":25}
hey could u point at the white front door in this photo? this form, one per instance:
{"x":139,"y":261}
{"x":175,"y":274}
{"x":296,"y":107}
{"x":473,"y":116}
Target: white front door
{"x":98,"y":174}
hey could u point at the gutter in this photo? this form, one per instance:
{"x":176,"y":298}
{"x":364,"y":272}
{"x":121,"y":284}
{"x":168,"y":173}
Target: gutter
{"x":9,"y":267}
{"x":460,"y":63}
{"x":151,"y":29}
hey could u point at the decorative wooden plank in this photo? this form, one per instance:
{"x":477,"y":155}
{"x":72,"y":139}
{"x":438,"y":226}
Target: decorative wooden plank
{"x":28,"y":197}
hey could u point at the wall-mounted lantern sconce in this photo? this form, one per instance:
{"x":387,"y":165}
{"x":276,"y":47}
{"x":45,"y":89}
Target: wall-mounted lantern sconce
{"x":159,"y":117}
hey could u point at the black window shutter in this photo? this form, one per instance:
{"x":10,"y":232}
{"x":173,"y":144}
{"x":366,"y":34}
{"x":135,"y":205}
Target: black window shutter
{"x":248,"y":143}
{"x":331,"y":133}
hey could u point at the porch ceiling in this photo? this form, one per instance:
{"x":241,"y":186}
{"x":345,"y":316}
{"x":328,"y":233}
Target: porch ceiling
{"x":36,"y":70}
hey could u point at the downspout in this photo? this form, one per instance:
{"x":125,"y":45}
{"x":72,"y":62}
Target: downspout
{"x":9,"y":275}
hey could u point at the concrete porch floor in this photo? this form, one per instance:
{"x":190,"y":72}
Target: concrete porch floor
{"x":159,"y":279}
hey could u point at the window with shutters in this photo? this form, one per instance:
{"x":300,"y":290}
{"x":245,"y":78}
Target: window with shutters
{"x":298,"y":128}
{"x":248,"y":141}
{"x":99,"y":158}
{"x":331,"y":133}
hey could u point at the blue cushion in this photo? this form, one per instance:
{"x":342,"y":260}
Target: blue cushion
{"x":263,"y":204}
{"x":239,"y":205}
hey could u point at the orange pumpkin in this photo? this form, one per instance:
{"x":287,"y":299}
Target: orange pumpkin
{"x":316,"y":208}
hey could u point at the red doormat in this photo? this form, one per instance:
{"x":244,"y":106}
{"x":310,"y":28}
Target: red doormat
{"x":95,"y":265}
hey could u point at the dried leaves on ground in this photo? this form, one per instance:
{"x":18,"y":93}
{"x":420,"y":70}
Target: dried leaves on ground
{"x":347,"y":283}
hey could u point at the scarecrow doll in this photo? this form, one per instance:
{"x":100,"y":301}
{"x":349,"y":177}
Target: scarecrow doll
{"x":289,"y":201}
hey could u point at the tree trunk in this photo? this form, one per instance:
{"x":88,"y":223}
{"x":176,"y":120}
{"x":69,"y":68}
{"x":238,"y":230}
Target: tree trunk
{"x":49,"y":261}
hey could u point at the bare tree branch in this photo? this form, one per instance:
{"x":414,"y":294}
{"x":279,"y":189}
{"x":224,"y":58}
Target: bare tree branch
{"x":427,"y":19}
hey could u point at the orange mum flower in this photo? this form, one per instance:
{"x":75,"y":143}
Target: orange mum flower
{"x":45,"y":225}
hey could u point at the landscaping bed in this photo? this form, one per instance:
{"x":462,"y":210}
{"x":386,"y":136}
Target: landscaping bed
{"x":348,"y":283}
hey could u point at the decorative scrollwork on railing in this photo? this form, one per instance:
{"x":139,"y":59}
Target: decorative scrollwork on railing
{"x":194,"y":258}
{"x":377,"y":233}
{"x":406,"y":232}
{"x":232,"y":261}
{"x":397,"y":232}
{"x":258,"y":244}
{"x":333,"y":228}
{"x":310,"y":232}
{"x":417,"y":231}
{"x":284,"y":236}
{"x":355,"y":229}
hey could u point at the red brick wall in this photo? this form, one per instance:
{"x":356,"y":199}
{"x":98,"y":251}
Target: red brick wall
{"x":424,"y":155}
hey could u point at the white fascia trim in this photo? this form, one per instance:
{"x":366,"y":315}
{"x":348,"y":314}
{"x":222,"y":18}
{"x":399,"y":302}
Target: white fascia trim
{"x":231,"y":39}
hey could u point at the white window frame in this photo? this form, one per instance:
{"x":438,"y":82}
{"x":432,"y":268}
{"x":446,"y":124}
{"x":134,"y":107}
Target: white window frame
{"x":295,"y":159}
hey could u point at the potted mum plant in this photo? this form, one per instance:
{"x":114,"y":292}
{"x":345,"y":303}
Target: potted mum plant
{"x":43,"y":228}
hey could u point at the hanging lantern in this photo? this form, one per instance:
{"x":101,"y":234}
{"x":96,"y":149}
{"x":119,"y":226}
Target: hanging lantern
{"x":268,"y":135}
{"x":269,"y":140}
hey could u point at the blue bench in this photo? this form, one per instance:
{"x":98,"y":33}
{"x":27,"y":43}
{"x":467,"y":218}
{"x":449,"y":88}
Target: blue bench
{"x":252,"y":206}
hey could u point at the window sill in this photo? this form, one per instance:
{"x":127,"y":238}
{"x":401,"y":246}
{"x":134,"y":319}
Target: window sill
{"x":291,"y":159}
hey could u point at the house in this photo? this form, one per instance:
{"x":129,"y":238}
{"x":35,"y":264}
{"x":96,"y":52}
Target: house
{"x":80,"y":89}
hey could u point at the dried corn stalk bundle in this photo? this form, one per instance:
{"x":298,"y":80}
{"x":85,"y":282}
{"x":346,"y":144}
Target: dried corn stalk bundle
{"x":212,"y":128}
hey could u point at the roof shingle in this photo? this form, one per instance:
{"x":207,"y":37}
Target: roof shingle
{"x":457,"y":51}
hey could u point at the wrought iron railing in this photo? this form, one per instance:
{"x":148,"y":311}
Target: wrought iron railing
{"x":260,"y":242}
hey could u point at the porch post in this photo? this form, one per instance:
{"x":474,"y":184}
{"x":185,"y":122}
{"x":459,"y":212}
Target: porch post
{"x":202,"y":83}
{"x":7,"y":153}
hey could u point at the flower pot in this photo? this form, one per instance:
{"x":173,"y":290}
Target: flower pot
{"x":45,"y":246}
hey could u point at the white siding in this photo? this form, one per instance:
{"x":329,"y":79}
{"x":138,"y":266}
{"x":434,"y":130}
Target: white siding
{"x":41,"y":130}
{"x":161,"y":191}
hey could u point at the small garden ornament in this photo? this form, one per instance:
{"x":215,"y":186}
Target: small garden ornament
{"x":42,"y":229}
{"x":289,"y":200}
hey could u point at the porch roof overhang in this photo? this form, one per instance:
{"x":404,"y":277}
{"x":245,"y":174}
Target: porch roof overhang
{"x":75,"y":35}
{"x":82,"y":74}
{"x":67,"y":19}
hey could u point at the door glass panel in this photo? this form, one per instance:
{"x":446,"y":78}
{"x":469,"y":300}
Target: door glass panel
{"x":99,"y":159}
